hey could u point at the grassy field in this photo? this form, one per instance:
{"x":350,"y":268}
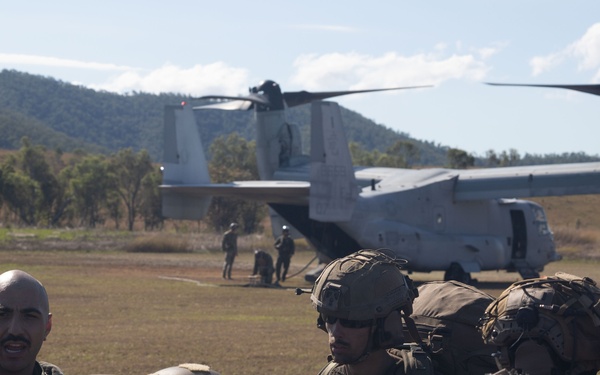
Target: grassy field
{"x":119,"y":312}
{"x":134,"y":313}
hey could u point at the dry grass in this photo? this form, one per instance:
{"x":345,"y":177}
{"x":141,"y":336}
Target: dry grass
{"x":133,"y":313}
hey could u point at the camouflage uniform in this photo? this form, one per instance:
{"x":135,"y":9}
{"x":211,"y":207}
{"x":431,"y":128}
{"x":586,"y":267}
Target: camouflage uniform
{"x":263,"y":266}
{"x":45,"y":368}
{"x":410,"y":360}
{"x":229,"y":246}
{"x":366,"y":289}
{"x":285,"y":247}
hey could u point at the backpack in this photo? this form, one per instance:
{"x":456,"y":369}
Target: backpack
{"x":447,"y":315}
{"x":563,"y":310}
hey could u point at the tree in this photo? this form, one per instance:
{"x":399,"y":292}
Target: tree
{"x":33,"y":160}
{"x":233,"y":159}
{"x":89,"y":185}
{"x":21,"y":194}
{"x":492,"y":158}
{"x":151,"y":205}
{"x":509,"y":159}
{"x":460,"y":159}
{"x":129,"y":170}
{"x":404,"y":153}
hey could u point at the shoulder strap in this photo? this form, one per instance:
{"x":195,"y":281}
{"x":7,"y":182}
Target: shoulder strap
{"x":327,"y":369}
{"x":415,"y":360}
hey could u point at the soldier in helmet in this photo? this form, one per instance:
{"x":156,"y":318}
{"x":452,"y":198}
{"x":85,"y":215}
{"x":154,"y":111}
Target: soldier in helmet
{"x":187,"y":369}
{"x":285,"y":247}
{"x":546,"y":326}
{"x":362,"y":300}
{"x":229,"y":246}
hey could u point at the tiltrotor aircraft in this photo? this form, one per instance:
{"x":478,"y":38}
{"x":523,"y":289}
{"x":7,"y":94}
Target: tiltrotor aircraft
{"x":457,"y":221}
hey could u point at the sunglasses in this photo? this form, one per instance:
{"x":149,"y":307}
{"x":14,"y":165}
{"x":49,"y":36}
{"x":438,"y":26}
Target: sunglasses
{"x":347,"y":323}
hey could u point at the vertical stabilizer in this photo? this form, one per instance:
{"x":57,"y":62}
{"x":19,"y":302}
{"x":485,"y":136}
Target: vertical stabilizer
{"x":333,"y":187}
{"x":184,"y":164}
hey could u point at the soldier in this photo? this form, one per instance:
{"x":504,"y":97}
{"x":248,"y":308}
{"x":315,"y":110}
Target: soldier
{"x":229,"y":246}
{"x":362,"y":300}
{"x":285,"y":247}
{"x":25,"y":322}
{"x":263,"y":266}
{"x":546,"y":326}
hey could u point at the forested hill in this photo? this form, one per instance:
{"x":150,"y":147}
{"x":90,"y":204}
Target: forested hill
{"x":56,"y":115}
{"x":61,"y":115}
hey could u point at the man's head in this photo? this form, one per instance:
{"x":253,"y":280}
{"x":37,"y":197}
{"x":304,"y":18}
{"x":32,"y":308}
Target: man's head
{"x":361,"y":299}
{"x":285,"y":230}
{"x":233,"y":226}
{"x":25,"y":321}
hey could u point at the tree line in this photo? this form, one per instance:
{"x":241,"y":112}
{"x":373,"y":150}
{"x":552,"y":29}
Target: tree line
{"x":42,"y":188}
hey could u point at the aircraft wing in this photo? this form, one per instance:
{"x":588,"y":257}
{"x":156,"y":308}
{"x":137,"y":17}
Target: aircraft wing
{"x":528,"y":181}
{"x":288,"y":192}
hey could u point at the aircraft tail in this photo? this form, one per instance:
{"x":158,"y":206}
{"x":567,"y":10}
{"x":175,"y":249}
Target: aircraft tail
{"x":333,"y":186}
{"x":184,"y":164}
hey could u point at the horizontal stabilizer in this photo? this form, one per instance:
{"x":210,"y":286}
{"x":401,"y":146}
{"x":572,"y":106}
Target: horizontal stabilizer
{"x":286,"y":192}
{"x":184,"y":164}
{"x":333,"y":186}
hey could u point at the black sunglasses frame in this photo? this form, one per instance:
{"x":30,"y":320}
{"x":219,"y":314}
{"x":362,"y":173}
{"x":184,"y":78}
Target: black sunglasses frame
{"x":347,"y":323}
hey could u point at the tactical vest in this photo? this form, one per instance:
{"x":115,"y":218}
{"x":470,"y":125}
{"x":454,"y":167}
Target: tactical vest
{"x":410,"y":360}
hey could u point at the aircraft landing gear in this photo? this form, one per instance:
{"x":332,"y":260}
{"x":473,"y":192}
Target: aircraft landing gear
{"x":456,"y":272}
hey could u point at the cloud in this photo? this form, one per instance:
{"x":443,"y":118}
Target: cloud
{"x":19,"y":59}
{"x":358,"y":71}
{"x":215,"y":78}
{"x":586,"y":51}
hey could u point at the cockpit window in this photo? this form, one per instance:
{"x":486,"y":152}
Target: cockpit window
{"x":539,"y":220}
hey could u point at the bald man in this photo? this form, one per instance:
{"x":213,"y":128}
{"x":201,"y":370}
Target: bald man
{"x":25,"y":322}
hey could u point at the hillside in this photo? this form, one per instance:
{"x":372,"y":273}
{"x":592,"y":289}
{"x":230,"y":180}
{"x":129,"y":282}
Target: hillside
{"x":57,"y":114}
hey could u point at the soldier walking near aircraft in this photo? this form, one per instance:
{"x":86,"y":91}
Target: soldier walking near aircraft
{"x":229,"y":246}
{"x":286,"y":247}
{"x":362,"y":300}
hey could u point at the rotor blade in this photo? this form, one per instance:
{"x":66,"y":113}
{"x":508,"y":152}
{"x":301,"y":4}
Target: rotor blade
{"x":233,"y":103}
{"x":302,"y":97}
{"x":589,"y":89}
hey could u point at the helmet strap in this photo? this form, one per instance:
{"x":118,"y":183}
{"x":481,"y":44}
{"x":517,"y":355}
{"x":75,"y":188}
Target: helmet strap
{"x":414,"y":332}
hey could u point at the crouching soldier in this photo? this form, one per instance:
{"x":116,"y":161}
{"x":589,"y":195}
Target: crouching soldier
{"x":263,"y":266}
{"x":546,"y":326}
{"x":362,"y":300}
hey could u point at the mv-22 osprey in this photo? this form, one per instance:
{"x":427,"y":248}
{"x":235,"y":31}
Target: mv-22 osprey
{"x":458,"y":221}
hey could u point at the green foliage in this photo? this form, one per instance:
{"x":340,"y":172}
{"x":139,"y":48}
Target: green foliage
{"x":151,"y":204}
{"x":129,"y":170}
{"x":460,"y":159}
{"x":89,"y":185}
{"x":233,"y":159}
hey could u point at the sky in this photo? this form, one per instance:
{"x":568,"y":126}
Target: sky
{"x":224,"y":47}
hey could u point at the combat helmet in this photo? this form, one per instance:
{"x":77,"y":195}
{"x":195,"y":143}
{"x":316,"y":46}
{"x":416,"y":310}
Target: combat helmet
{"x":187,"y":369}
{"x":366,"y":285}
{"x":552,"y":321}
